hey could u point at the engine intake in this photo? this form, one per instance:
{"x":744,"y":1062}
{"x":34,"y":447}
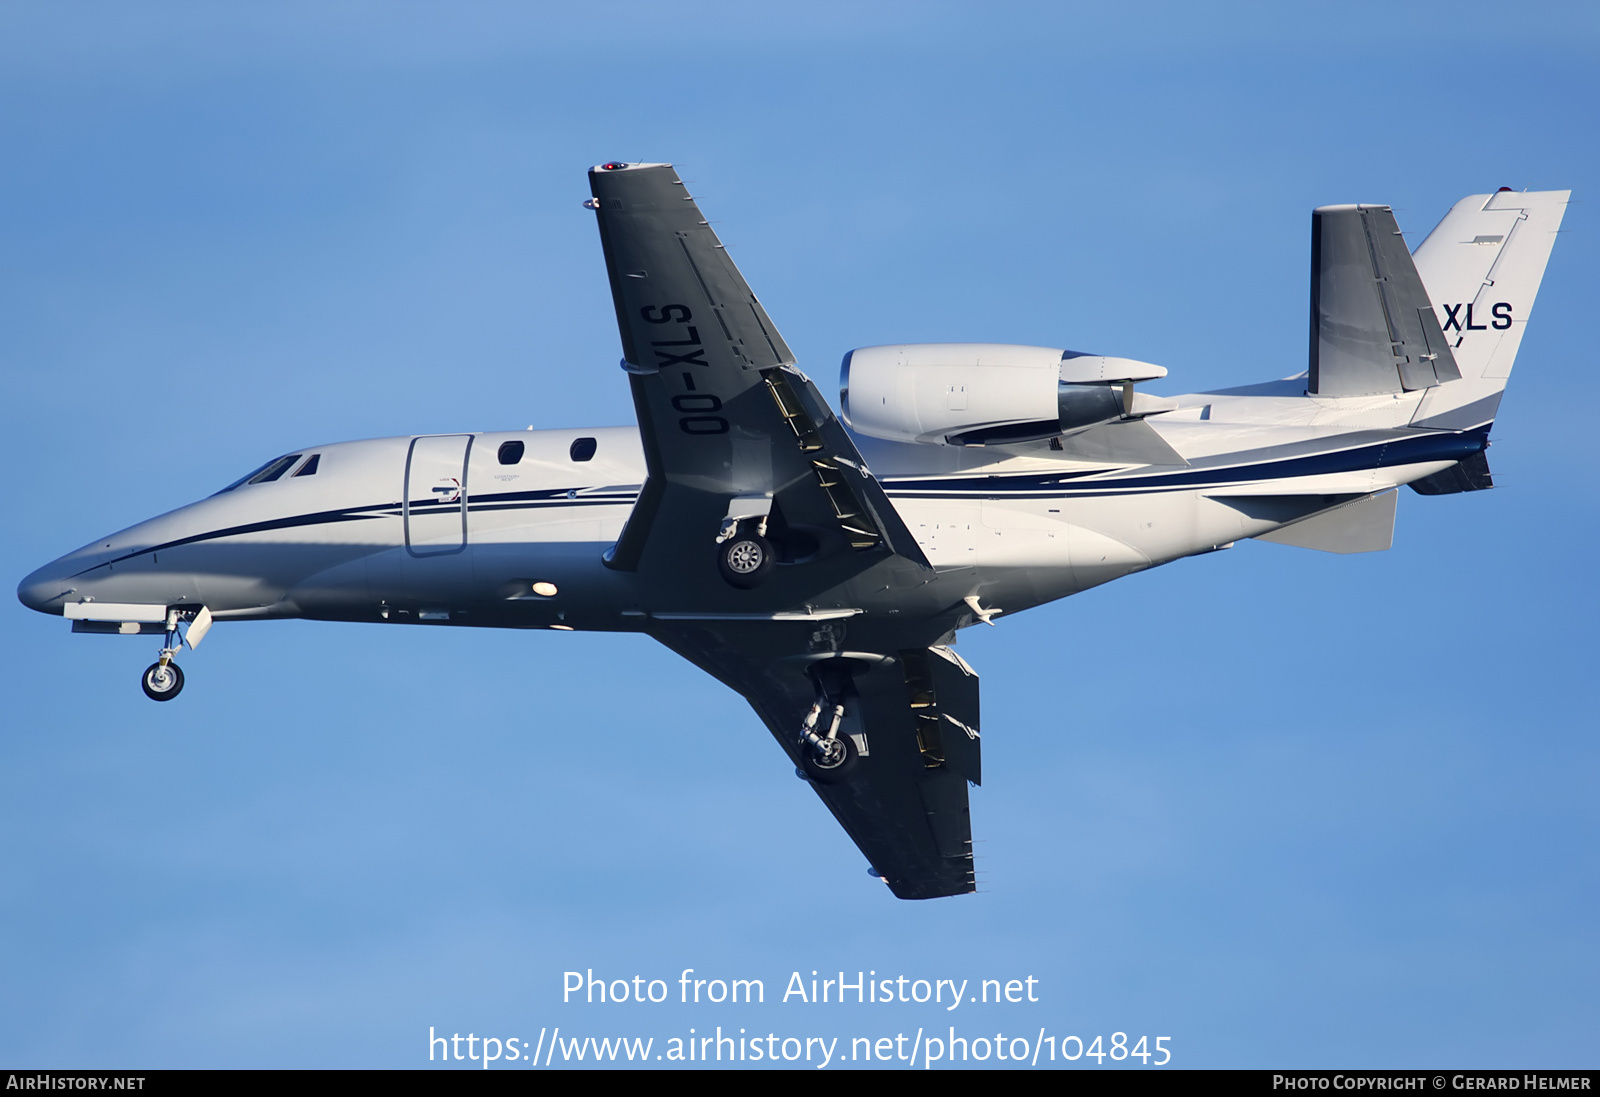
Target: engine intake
{"x":973,"y":394}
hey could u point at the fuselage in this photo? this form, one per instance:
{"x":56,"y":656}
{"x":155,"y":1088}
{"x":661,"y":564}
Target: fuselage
{"x":509,"y":529}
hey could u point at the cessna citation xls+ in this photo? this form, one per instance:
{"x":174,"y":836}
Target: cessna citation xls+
{"x":821,"y":568}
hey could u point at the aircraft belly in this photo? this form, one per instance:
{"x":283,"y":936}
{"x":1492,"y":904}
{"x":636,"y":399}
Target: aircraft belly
{"x":244,"y":575}
{"x":339,"y":592}
{"x":1022,"y":533}
{"x":1216,"y":525}
{"x":1114,"y":536}
{"x":1097,"y":558}
{"x":587,"y":593}
{"x":394,"y":574}
{"x":947,"y":529}
{"x":583,"y":523}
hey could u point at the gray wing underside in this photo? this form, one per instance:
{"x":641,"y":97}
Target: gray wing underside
{"x":904,"y":804}
{"x":724,"y":415}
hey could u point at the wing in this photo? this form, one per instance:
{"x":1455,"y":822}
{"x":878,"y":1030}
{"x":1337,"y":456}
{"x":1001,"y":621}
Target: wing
{"x":731,"y":429}
{"x":733,"y":432}
{"x":911,"y":713}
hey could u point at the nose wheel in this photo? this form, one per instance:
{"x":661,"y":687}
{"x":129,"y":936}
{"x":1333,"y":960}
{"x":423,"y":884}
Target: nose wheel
{"x":162,"y":681}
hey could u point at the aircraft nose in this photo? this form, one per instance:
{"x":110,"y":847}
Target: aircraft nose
{"x":46,"y":589}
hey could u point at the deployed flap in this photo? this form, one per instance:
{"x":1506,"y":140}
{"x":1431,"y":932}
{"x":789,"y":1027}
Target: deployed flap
{"x":1362,"y":525}
{"x":723,"y":413}
{"x":944,"y":699}
{"x":1373,"y":329}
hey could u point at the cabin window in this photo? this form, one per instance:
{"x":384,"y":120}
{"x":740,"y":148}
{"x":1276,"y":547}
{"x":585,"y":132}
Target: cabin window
{"x":582,"y":449}
{"x":511,"y":452}
{"x":310,"y":467}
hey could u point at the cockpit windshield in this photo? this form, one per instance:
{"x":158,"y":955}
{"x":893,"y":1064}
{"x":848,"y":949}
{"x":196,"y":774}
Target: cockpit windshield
{"x":267,"y":472}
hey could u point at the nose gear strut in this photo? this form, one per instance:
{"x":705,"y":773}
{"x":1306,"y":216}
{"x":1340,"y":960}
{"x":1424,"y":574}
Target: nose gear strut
{"x":163,"y":679}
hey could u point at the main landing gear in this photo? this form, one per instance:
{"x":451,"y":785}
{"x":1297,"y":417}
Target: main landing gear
{"x":827,"y":756}
{"x":744,"y":555}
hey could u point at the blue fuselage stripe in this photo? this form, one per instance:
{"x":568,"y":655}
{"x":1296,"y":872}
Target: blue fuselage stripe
{"x":1398,"y":451}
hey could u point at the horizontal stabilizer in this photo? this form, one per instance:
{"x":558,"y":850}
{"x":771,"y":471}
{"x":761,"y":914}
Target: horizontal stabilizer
{"x":1362,"y":525}
{"x":1373,"y":328}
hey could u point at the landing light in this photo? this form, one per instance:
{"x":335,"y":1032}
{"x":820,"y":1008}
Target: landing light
{"x":545,"y":590}
{"x":563,"y":628}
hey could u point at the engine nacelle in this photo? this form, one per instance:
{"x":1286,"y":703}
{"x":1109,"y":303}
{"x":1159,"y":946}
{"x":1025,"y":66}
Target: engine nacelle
{"x":965,"y":394}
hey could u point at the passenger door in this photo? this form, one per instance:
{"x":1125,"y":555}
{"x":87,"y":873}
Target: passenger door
{"x":435,"y":503}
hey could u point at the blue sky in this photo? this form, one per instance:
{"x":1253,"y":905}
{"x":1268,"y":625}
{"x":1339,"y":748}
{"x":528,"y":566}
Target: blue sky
{"x":1285,"y":808}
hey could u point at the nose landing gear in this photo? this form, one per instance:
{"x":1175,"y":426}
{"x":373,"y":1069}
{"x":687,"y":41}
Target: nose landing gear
{"x":163,"y":679}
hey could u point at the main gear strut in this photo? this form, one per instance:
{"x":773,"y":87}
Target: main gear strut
{"x":827,"y":756}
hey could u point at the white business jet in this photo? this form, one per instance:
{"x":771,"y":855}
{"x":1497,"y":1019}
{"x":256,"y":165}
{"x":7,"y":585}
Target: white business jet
{"x":822,"y":568}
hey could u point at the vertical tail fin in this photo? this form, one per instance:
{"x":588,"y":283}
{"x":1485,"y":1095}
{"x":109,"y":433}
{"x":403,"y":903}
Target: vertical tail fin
{"x":1482,"y":266}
